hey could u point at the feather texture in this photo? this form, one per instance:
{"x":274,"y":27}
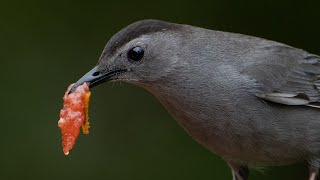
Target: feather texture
{"x":288,"y":77}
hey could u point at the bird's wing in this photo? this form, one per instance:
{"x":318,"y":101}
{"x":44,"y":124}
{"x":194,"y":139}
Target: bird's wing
{"x":287,"y":76}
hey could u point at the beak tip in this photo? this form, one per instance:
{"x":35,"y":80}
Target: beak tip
{"x":86,"y":78}
{"x":73,"y":88}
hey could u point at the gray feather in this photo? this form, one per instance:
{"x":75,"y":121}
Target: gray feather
{"x":288,"y":71}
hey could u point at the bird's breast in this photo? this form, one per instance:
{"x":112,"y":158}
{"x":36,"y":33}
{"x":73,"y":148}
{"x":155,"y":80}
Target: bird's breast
{"x":233,"y":128}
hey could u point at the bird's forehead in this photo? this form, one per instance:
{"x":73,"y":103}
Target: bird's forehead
{"x":134,"y":31}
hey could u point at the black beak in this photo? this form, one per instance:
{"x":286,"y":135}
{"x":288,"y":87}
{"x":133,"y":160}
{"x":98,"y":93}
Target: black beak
{"x":94,"y":78}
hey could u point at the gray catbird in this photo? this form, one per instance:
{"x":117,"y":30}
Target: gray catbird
{"x":250,"y":100}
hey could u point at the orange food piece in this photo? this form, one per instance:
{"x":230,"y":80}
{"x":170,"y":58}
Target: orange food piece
{"x":74,"y":115}
{"x":85,"y":125}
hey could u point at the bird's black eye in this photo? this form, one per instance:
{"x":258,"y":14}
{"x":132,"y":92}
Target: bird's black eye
{"x":136,"y":53}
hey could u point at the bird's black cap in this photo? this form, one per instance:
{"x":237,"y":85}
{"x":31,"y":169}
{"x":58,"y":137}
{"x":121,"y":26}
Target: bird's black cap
{"x":135,"y":30}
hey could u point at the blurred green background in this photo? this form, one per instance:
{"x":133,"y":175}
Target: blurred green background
{"x":47,"y":45}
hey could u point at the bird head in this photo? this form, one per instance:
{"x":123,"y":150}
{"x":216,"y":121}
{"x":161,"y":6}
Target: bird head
{"x":142,"y":53}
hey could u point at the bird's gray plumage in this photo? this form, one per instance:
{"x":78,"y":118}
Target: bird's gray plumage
{"x":250,"y":100}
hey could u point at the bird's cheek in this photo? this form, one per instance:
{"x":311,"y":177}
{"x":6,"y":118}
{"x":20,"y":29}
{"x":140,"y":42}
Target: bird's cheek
{"x":126,"y":77}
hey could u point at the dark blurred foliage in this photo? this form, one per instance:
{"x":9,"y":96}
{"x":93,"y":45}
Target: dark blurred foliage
{"x":46,"y":45}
